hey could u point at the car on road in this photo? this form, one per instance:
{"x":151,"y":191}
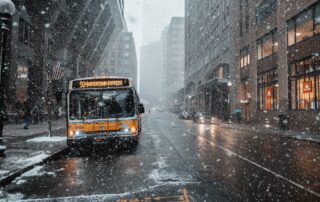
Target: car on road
{"x":203,"y":117}
{"x":185,"y":115}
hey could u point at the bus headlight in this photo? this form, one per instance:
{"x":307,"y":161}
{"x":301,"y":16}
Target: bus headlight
{"x":126,"y":130}
{"x":78,"y":133}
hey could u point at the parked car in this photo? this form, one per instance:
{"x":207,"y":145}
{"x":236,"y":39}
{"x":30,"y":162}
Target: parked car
{"x":203,"y":117}
{"x":184,"y":115}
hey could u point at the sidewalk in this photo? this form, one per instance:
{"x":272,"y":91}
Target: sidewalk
{"x":268,"y":129}
{"x":29,"y":147}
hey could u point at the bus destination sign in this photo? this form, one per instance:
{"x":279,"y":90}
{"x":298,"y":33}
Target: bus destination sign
{"x":100,"y":83}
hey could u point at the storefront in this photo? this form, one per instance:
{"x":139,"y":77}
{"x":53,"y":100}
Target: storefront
{"x":305,"y":84}
{"x":268,"y":90}
{"x":214,"y":98}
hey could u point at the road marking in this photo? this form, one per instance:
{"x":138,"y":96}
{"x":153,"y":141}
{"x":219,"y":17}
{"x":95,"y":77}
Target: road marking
{"x":113,"y":197}
{"x":263,"y":168}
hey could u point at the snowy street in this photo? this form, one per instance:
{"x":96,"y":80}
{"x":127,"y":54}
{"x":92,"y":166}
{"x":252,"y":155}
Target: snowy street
{"x":178,"y":160}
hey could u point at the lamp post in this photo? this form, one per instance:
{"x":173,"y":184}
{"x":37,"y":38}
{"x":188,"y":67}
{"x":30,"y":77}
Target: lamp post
{"x":7,"y":9}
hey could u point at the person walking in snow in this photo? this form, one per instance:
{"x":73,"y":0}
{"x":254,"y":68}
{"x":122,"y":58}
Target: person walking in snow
{"x":26,"y":114}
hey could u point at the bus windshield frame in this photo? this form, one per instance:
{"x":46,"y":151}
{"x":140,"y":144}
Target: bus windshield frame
{"x":104,"y":103}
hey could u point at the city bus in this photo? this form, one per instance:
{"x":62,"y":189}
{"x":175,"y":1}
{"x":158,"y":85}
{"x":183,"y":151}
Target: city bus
{"x":102,"y":109}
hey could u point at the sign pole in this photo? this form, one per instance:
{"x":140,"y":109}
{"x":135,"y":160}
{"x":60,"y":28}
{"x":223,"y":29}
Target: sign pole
{"x":49,"y":107}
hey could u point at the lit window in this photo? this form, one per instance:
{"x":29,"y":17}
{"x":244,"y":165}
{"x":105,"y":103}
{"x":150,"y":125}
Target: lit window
{"x":267,"y":45}
{"x":304,"y":27}
{"x":244,"y":57}
{"x":291,"y":33}
{"x":317,"y":19}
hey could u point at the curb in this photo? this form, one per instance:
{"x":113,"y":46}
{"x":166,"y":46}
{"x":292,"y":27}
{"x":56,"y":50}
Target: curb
{"x":24,"y":138}
{"x":8,"y":179}
{"x":280,"y":134}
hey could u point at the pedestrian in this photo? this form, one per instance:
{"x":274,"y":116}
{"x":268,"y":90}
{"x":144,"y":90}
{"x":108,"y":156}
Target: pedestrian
{"x":18,"y":115}
{"x":26,"y":114}
{"x":35,"y":114}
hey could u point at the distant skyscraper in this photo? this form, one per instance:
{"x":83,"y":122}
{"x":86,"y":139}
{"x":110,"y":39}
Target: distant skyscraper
{"x":151,"y":72}
{"x":121,"y":59}
{"x":174,"y":58}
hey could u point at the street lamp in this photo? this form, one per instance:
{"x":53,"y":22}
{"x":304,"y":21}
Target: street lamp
{"x":7,"y":9}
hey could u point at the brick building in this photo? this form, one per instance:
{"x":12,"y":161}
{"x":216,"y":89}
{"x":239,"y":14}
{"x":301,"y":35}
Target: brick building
{"x":277,"y":60}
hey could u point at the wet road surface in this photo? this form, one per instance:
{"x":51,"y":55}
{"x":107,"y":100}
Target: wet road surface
{"x":177,"y":160}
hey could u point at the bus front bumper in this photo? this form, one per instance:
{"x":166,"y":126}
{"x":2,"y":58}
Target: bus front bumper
{"x":99,"y":139}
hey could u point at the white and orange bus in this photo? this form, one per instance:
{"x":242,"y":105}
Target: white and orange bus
{"x":102,"y":109}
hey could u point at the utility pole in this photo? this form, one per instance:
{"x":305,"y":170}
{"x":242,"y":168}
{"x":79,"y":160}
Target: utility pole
{"x":49,"y":84}
{"x":7,"y":9}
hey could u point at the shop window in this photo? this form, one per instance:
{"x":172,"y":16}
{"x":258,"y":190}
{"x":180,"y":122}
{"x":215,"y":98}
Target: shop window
{"x":268,"y":90}
{"x":305,"y":85}
{"x":267,"y":45}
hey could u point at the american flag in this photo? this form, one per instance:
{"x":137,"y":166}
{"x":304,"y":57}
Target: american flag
{"x":58,"y":71}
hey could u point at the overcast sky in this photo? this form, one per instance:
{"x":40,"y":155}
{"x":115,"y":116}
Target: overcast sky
{"x":147,"y":18}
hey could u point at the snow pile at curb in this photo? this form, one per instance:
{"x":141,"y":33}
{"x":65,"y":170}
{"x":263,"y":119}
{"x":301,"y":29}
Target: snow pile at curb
{"x":47,"y":139}
{"x":33,"y":160}
{"x":2,"y":172}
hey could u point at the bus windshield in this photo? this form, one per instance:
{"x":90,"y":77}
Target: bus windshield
{"x":101,"y":104}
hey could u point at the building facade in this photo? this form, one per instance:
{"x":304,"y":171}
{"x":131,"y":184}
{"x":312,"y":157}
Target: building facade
{"x":151,"y":73}
{"x":174,"y":59}
{"x":278,"y":63}
{"x":121,"y":58}
{"x":209,"y":56}
{"x":75,"y":33}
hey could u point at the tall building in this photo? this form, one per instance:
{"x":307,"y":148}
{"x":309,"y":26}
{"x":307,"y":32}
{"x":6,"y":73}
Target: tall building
{"x":151,"y":67}
{"x":121,"y":58}
{"x":74,"y":33}
{"x":278,"y":61}
{"x":174,"y":59}
{"x":209,"y":56}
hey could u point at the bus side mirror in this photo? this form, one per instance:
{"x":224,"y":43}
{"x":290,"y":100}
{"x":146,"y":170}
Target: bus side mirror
{"x":140,"y":108}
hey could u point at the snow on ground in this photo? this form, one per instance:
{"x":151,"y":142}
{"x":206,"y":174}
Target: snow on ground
{"x":47,"y":139}
{"x":2,"y":147}
{"x":32,"y":160}
{"x":37,"y":171}
{"x":2,"y":172}
{"x":14,"y":197}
